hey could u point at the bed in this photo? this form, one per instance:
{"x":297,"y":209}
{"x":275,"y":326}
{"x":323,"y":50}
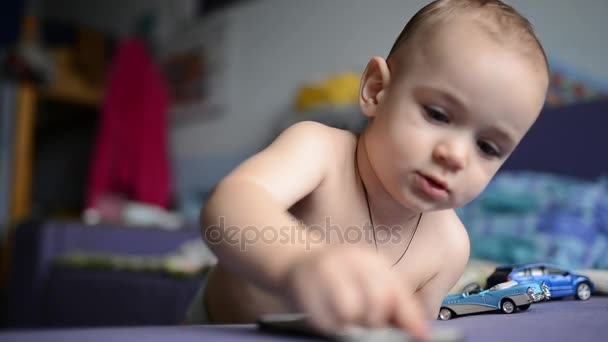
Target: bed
{"x":46,"y":294}
{"x":549,"y":202}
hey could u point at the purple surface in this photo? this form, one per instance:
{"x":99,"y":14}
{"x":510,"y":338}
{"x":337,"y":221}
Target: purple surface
{"x":556,"y":320}
{"x":562,"y":320}
{"x":41,"y":295}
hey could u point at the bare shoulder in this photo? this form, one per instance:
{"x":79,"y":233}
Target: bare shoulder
{"x":295,"y":164}
{"x":318,"y":143}
{"x":313,"y":136}
{"x":309,"y":129}
{"x":452,"y":236}
{"x":452,"y":247}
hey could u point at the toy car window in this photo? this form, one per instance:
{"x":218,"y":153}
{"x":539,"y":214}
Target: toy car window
{"x":503,"y":286}
{"x":553,"y":271}
{"x":536,"y":272}
{"x":521,"y":274}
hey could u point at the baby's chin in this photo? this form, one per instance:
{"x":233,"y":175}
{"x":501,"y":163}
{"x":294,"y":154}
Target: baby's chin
{"x":424,"y":205}
{"x":420,"y":205}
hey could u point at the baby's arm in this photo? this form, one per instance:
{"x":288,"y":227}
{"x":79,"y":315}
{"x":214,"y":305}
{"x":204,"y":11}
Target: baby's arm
{"x":454,"y":249}
{"x":257,"y":196}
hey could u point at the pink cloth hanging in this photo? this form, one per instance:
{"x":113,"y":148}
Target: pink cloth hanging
{"x":130,"y":156}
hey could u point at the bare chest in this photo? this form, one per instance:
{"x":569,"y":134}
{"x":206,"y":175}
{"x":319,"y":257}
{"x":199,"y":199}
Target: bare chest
{"x":338,"y":212}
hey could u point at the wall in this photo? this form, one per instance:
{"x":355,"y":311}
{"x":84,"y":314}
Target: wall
{"x":572,"y":32}
{"x":274,"y":45}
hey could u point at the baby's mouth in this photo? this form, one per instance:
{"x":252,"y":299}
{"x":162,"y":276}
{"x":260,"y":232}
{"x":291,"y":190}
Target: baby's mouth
{"x":436,"y":183}
{"x":432,"y":187}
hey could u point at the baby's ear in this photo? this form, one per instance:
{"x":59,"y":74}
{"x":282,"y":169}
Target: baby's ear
{"x":374,"y":84}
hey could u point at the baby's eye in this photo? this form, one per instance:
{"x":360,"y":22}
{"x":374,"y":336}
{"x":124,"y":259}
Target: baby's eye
{"x":436,"y":114}
{"x":488,"y":148}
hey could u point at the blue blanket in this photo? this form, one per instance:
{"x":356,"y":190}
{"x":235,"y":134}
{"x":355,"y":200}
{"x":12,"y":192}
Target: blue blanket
{"x":528,"y":217}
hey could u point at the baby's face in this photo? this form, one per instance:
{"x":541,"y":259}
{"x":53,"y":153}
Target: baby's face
{"x":451,"y":114}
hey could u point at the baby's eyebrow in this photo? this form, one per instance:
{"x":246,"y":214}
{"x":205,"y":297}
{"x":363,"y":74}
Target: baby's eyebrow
{"x":452,"y":99}
{"x":502,"y":135}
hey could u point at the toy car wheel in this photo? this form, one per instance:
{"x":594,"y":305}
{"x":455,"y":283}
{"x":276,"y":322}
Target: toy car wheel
{"x":507,"y":306}
{"x":445,"y":314}
{"x":583,"y":291}
{"x":524,"y":307}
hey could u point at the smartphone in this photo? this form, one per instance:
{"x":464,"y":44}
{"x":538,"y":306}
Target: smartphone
{"x":288,"y":324}
{"x":298,"y":324}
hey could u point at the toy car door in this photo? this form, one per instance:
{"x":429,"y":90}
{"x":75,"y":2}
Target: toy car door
{"x":559,"y":281}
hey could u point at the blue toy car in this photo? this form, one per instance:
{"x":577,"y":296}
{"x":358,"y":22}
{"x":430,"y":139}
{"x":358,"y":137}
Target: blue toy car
{"x":561,"y":282}
{"x":506,"y":297}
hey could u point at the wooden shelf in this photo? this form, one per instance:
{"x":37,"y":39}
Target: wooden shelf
{"x":63,"y":92}
{"x":70,"y":86}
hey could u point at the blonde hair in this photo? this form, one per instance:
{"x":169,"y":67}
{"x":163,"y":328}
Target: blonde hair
{"x":499,"y":20}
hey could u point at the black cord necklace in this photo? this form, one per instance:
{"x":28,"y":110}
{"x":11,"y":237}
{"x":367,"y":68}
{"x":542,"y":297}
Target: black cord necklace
{"x":369,"y":212}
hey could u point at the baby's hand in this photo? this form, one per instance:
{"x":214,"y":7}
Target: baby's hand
{"x":342,"y":287}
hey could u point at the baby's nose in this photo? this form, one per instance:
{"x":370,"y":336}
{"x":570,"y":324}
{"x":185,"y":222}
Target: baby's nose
{"x":451,"y":154}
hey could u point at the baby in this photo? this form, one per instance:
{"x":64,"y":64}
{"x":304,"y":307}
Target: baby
{"x":359,"y":230}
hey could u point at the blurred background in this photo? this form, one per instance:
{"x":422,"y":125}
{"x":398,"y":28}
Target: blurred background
{"x":117,"y":118}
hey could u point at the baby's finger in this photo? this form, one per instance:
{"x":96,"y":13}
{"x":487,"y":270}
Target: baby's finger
{"x":311,"y":298}
{"x":320,"y":313}
{"x":328,"y":312}
{"x":346,"y":302}
{"x":408,"y":314}
{"x":376,"y":288}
